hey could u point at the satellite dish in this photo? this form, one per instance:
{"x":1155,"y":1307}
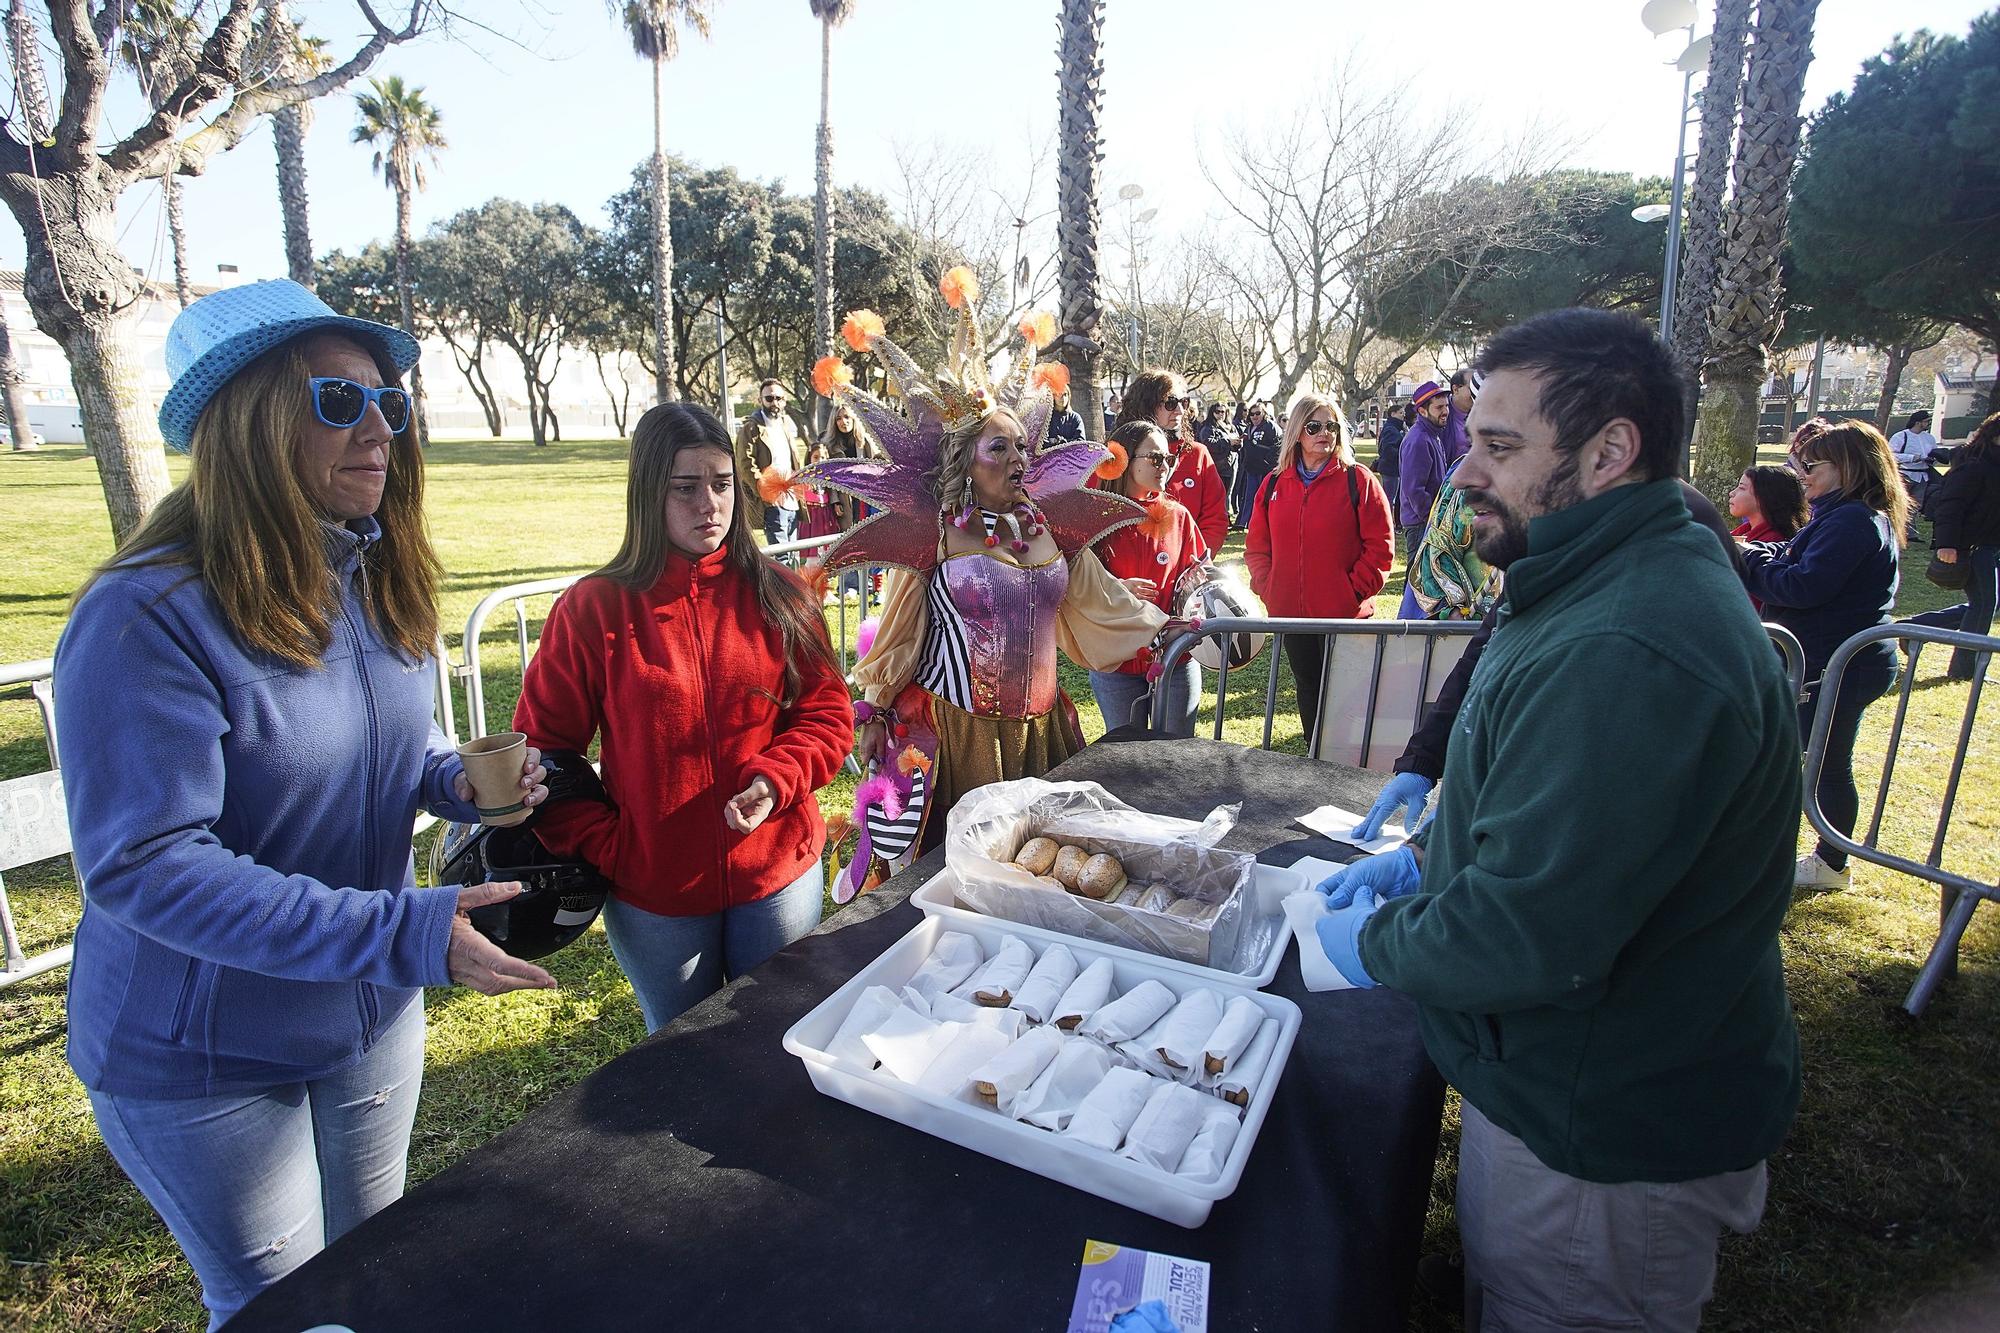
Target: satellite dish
{"x":1695,"y":59}
{"x":1148,"y":215}
{"x":1134,"y":190}
{"x":1665,"y":16}
{"x":1651,"y":213}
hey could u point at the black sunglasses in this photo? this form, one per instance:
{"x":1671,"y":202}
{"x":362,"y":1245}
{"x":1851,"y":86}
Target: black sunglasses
{"x":342,"y":403}
{"x":1322,"y":428}
{"x":1173,"y":404}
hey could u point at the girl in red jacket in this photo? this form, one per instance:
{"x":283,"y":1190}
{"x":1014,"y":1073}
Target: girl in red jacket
{"x":1319,"y":543}
{"x":1160,"y":398}
{"x":706,"y":671}
{"x":1149,"y":558}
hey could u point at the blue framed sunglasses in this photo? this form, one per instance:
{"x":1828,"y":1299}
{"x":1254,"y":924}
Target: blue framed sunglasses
{"x":342,"y":403}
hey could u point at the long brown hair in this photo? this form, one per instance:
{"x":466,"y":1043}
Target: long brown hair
{"x":244,"y":526}
{"x":1143,"y":396}
{"x":1295,"y":426}
{"x":1867,"y":470}
{"x":657,"y":441}
{"x":1132,"y":438}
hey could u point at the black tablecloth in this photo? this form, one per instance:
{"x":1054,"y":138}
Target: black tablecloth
{"x":699,"y":1181}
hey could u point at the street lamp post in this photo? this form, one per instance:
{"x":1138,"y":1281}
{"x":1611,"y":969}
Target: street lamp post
{"x":1662,"y":17}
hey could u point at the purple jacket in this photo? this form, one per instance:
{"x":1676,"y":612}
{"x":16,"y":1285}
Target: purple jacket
{"x":1425,"y":459}
{"x":1456,"y":442}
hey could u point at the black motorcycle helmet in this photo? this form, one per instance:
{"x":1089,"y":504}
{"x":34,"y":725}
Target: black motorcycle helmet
{"x":560,"y":896}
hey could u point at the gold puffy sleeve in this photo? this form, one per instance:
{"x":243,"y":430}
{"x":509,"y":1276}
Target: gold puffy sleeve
{"x":892,"y":659}
{"x":1101,"y":624}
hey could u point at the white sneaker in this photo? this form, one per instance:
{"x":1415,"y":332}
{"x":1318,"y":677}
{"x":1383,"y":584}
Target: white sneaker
{"x":1813,"y":873}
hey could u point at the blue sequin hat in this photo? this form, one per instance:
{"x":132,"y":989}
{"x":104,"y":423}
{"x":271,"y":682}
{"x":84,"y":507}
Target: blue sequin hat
{"x":223,"y":332}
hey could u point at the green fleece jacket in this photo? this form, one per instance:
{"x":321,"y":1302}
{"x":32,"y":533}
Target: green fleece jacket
{"x":1594,"y":945}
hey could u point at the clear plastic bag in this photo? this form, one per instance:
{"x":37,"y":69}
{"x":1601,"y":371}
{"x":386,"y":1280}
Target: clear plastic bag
{"x":988,"y":827}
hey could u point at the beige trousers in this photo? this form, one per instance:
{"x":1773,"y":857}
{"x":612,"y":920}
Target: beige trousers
{"x":1546,"y":1251}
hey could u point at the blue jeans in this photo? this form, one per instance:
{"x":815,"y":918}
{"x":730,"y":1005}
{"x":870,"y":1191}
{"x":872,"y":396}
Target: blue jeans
{"x":1868,"y":677}
{"x":1248,"y":482}
{"x":1974,"y":615}
{"x":1117,"y":694}
{"x":675,"y":962}
{"x":253,"y":1184}
{"x":780,"y":525}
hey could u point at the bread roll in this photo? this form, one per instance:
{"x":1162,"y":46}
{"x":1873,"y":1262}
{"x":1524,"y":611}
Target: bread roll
{"x":1158,"y":899}
{"x":1036,"y":855}
{"x":1131,"y":894}
{"x":1190,"y":909}
{"x":1102,"y":877}
{"x":1068,"y":865}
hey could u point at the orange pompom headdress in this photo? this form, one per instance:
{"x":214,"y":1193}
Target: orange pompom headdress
{"x":959,"y":395}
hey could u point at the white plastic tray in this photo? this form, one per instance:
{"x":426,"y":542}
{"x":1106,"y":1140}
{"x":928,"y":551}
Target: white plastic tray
{"x":985,"y":1130}
{"x":1269,"y":888}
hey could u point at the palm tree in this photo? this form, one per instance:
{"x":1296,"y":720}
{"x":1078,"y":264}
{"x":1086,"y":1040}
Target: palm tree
{"x":403,"y":127}
{"x":287,"y":55}
{"x":159,"y":45}
{"x":37,"y":116}
{"x":1081,"y":72}
{"x":651,"y":24}
{"x":831,"y":14}
{"x":1719,"y":99}
{"x":1744,"y":320}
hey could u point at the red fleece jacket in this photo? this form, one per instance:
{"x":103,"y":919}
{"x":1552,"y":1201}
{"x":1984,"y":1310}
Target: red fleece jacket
{"x":681,"y":681}
{"x":1160,"y":549}
{"x":1319,"y":550}
{"x":1197,"y":485}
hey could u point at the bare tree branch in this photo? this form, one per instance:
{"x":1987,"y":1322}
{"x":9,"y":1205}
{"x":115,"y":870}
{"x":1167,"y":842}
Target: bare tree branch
{"x":155,"y":148}
{"x":86,"y":71}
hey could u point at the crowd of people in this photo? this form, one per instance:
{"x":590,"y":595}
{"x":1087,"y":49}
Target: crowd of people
{"x":1594,"y":952}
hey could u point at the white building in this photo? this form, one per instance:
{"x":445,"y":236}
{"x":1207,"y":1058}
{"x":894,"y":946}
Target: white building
{"x":582,"y":403}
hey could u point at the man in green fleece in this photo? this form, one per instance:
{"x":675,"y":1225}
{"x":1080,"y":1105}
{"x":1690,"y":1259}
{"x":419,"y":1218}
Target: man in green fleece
{"x":1589,"y":925}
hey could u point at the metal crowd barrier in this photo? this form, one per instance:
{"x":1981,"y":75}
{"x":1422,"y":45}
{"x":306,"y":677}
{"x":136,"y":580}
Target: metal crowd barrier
{"x":1960,"y":894}
{"x":34,"y":823}
{"x":470,"y":669}
{"x":1383,"y":632}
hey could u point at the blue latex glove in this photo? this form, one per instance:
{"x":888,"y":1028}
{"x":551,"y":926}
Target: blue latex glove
{"x":1405,"y":791}
{"x":1340,"y":936}
{"x":1385,"y":875}
{"x":1152,"y":1317}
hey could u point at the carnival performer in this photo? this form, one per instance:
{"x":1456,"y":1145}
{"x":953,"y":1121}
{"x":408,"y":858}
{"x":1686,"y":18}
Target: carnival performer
{"x":989,"y":533}
{"x":1159,"y":561}
{"x":1161,"y":397}
{"x":704,"y":669}
{"x":244,"y":696}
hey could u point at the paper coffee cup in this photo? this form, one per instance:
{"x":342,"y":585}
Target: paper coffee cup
{"x":493,"y":767}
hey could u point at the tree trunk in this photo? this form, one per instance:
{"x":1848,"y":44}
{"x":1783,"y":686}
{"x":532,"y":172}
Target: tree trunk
{"x":19,"y":432}
{"x":288,"y":130}
{"x":1892,"y":380}
{"x":472,"y":364}
{"x":620,"y":397}
{"x":538,"y":426}
{"x":1694,"y":292}
{"x":406,"y":301}
{"x":170,"y":192}
{"x":1079,"y":155}
{"x":1749,"y":289}
{"x":83,"y":293}
{"x":823,"y":220}
{"x":663,"y":246}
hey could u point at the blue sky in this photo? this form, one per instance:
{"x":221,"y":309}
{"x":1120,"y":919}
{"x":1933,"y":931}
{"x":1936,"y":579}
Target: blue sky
{"x":559,"y":109}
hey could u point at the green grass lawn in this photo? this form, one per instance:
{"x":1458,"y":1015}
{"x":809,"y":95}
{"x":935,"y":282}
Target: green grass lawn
{"x":1885,"y":1202}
